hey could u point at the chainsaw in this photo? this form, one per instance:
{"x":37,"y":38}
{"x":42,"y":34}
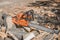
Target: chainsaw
{"x":26,"y":19}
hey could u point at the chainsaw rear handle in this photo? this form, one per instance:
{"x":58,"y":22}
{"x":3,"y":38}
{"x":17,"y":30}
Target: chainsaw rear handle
{"x":30,"y":13}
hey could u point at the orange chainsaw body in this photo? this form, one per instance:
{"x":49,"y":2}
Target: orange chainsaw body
{"x":19,"y":19}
